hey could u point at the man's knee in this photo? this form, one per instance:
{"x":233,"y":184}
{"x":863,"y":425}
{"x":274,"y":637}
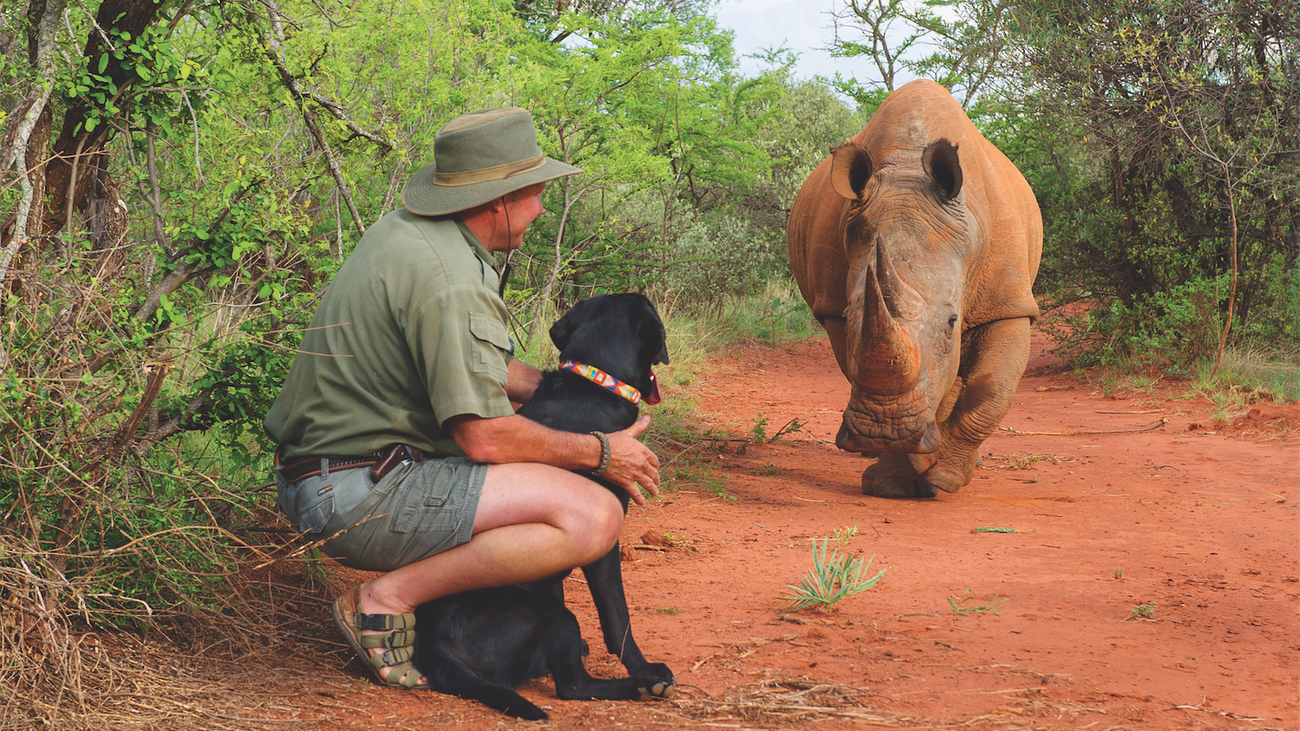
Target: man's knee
{"x":598,"y":524}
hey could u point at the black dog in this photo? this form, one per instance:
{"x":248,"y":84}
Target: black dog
{"x":482,"y":644}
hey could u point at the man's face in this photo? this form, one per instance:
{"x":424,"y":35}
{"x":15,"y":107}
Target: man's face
{"x":523,"y":207}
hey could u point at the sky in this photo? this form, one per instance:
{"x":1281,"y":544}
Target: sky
{"x":804,"y":27}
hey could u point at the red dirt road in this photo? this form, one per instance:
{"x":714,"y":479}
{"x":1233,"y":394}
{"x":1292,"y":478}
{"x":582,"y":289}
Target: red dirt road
{"x":1198,"y":517}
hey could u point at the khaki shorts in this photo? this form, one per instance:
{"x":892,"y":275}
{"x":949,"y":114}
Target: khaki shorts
{"x":418,"y":510}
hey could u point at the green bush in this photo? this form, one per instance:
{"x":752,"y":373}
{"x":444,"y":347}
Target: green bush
{"x":720,"y":256}
{"x":1168,"y":330}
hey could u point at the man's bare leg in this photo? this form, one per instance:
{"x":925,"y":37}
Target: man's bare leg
{"x":532,"y":521}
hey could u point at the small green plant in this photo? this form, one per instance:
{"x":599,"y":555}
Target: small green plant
{"x":669,"y":610}
{"x":1109,"y":383}
{"x":992,"y":529}
{"x":1145,"y":611}
{"x":1119,"y":573}
{"x":966,"y":609}
{"x":314,"y":573}
{"x":768,"y":470}
{"x":791,"y":427}
{"x":844,"y":534}
{"x":1141,"y":382}
{"x":1025,"y":463}
{"x":758,"y":432}
{"x":833,"y":577}
{"x":1227,"y":404}
{"x":690,"y":468}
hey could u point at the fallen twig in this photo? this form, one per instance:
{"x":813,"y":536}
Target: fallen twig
{"x":1225,"y":714}
{"x":1017,"y":432}
{"x":1148,"y":411}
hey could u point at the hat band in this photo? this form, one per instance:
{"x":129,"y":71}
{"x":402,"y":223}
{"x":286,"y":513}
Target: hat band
{"x":485,"y":175}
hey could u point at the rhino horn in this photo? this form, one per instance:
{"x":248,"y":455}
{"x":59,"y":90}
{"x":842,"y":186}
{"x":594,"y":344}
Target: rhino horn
{"x":887,"y":359}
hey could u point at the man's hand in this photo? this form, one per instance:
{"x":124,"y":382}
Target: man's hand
{"x":632,"y":463}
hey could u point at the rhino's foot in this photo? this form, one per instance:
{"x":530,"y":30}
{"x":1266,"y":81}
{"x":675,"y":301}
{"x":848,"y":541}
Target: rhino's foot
{"x":896,"y":476}
{"x":944,"y":478}
{"x":891,"y":478}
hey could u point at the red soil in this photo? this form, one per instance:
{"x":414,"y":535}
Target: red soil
{"x":1196,"y":516}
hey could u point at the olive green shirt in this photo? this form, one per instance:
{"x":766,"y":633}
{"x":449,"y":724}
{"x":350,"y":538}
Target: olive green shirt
{"x":410,"y":333}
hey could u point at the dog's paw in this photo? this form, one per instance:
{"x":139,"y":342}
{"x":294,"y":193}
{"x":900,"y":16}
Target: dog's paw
{"x":657,"y":689}
{"x":658,"y":671}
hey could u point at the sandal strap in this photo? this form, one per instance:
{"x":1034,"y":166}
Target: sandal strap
{"x":400,"y":669}
{"x":393,"y":658}
{"x":396,"y":638}
{"x":384,"y":622}
{"x":406,"y":674}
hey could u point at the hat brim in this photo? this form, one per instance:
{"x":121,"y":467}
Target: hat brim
{"x":424,"y":197}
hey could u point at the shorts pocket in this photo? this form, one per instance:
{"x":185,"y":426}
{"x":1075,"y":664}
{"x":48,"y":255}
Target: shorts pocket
{"x":425,"y":490}
{"x":315,"y":506}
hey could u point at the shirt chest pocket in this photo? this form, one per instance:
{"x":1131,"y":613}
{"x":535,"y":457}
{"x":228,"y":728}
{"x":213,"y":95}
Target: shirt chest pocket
{"x":491,"y":345}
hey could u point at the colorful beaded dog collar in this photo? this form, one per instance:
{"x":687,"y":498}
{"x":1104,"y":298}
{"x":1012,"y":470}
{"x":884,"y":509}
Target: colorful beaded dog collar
{"x":601,"y":378}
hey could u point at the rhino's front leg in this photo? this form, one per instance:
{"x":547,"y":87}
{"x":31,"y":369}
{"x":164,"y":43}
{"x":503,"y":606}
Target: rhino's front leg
{"x":994,"y":357}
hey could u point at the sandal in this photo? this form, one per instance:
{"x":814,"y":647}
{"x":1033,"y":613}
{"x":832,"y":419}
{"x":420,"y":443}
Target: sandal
{"x":398,"y":638}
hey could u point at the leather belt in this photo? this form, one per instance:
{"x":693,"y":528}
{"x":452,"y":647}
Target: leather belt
{"x":380,"y":463}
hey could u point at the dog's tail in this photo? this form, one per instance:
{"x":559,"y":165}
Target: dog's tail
{"x":452,"y":677}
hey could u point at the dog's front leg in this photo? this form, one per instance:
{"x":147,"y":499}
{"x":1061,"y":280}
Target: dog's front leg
{"x":605,"y":579}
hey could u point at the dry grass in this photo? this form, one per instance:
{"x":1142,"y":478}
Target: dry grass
{"x":90,"y":682}
{"x":56,"y":672}
{"x":808,"y":703}
{"x":790,"y":702}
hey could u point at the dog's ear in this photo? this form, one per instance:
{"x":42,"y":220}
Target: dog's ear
{"x":650,"y":328}
{"x":562,"y":330}
{"x":663,"y":355}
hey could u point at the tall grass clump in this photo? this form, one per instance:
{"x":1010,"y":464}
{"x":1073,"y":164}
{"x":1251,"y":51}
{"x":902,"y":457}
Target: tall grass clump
{"x":1270,"y":374}
{"x":775,"y":313}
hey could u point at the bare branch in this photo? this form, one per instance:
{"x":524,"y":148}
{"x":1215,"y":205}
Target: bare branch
{"x":275,"y":53}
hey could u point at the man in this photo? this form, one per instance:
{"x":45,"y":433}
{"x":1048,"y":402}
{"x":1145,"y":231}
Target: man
{"x":399,"y":445}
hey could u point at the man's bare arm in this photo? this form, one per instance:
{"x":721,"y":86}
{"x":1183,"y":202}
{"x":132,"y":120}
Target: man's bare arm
{"x":516,"y":438}
{"x":521,"y":381}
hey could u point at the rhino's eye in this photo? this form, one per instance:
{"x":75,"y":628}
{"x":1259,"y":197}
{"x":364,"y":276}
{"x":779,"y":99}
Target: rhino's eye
{"x":952,"y":322}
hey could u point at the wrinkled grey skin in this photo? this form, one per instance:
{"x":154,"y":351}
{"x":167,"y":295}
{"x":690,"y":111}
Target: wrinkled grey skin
{"x":916,"y":244}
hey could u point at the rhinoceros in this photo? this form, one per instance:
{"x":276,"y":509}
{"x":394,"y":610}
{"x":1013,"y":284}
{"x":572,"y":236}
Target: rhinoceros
{"x":916,"y":244}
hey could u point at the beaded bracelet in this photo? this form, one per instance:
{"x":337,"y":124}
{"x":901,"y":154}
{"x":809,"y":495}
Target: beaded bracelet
{"x":604,"y":454}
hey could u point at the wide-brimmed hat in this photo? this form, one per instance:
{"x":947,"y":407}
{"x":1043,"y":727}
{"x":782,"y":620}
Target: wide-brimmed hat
{"x":479,"y":157}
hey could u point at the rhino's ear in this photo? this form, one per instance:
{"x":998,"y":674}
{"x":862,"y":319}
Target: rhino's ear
{"x":941,"y":164}
{"x":850,"y":169}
